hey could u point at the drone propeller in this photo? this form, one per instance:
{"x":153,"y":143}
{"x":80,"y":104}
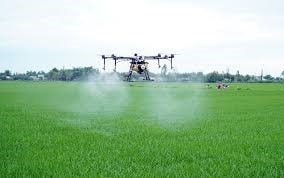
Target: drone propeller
{"x":113,"y":56}
{"x":102,"y":55}
{"x":166,"y":56}
{"x":174,"y":54}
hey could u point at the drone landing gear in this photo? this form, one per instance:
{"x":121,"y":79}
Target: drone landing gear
{"x":128,"y":79}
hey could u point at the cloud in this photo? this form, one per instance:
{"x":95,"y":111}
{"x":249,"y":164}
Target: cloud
{"x":222,"y":32}
{"x":124,"y":22}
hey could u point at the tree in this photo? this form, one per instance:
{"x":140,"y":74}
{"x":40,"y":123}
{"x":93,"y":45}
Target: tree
{"x":53,"y":74}
{"x":7,"y":73}
{"x":247,"y":78}
{"x":282,"y":74}
{"x":268,"y":77}
{"x":31,"y":73}
{"x":238,"y":76}
{"x":214,"y":77}
{"x":200,"y":76}
{"x":62,"y":75}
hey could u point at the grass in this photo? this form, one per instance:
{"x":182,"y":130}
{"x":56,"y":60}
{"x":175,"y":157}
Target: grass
{"x":141,"y":129}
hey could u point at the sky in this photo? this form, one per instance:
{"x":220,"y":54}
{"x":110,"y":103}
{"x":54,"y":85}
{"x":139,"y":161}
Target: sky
{"x":220,"y":35}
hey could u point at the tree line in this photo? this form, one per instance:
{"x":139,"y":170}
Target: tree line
{"x":80,"y":73}
{"x":84,"y":73}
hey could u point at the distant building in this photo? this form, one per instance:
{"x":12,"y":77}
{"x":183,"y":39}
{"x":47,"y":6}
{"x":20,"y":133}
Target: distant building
{"x":37,"y":77}
{"x":8,"y":78}
{"x":40,"y":77}
{"x":33,"y":77}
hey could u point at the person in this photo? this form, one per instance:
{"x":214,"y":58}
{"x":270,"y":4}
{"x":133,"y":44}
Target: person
{"x":219,"y":86}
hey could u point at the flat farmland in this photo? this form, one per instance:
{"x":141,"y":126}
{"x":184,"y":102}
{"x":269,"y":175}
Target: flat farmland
{"x":70,"y":129}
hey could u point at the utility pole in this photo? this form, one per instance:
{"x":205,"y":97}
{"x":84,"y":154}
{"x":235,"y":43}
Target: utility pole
{"x":228,"y":74}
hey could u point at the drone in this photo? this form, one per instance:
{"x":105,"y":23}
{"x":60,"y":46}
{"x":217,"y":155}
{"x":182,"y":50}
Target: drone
{"x":138,"y":63}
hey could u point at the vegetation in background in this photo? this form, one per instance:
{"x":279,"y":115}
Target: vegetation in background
{"x":83,"y":73}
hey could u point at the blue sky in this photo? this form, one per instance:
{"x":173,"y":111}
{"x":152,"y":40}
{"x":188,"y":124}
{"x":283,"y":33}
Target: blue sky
{"x":208,"y":35}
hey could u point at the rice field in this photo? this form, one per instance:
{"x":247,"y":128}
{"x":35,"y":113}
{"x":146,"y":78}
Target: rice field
{"x":61,"y":129}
